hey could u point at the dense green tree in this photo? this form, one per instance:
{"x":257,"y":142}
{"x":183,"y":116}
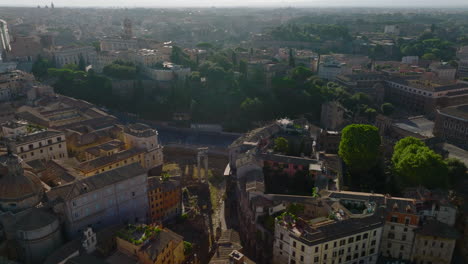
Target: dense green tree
{"x":387,"y":109}
{"x":402,"y":144}
{"x":281,"y":145}
{"x":292,"y":61}
{"x":119,"y":71}
{"x":457,"y":171}
{"x":81,"y":63}
{"x":301,"y":74}
{"x":40,"y":67}
{"x":359,"y":147}
{"x":419,"y":165}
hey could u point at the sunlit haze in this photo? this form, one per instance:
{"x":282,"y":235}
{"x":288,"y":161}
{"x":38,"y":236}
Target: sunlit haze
{"x":254,"y":3}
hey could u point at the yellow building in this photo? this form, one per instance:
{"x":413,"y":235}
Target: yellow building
{"x":165,"y":199}
{"x":113,"y":161}
{"x":434,"y":243}
{"x":151,"y":245}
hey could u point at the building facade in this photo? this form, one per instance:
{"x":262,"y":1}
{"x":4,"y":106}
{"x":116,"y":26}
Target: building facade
{"x":398,"y":234}
{"x":73,"y":55}
{"x":165,"y":199}
{"x":4,"y":37}
{"x":41,"y":145}
{"x":117,"y":196}
{"x":145,"y":138}
{"x":452,"y":125}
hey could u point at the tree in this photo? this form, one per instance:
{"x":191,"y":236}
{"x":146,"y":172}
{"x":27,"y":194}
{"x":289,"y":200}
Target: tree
{"x":415,"y":164}
{"x":359,"y":147}
{"x":292,"y":62}
{"x":243,"y":68}
{"x":301,"y":74}
{"x":387,"y":109}
{"x":40,"y":67}
{"x":81,"y":63}
{"x":402,"y":144}
{"x":188,"y":248}
{"x":371,"y":113}
{"x":456,"y":171}
{"x":234,"y":58}
{"x":281,"y":145}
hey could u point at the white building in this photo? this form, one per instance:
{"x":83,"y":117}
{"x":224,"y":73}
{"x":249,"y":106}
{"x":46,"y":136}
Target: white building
{"x":332,"y":235}
{"x":392,"y":29}
{"x":72,"y":55}
{"x":4,"y":37}
{"x":410,"y":60}
{"x":330,"y":69}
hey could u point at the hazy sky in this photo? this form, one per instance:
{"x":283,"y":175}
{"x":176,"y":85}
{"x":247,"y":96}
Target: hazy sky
{"x":205,"y":3}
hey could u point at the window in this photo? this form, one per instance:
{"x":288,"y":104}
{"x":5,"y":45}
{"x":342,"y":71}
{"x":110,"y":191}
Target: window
{"x":316,"y":250}
{"x":351,"y":240}
{"x":294,"y":244}
{"x":281,"y":247}
{"x":389,"y":245}
{"x":60,"y":145}
{"x":375,"y":233}
{"x":372,"y":251}
{"x":324,"y":256}
{"x":405,"y":229}
{"x":391,"y":235}
{"x":281,"y":236}
{"x":342,"y":242}
{"x":407,"y":221}
{"x":365,"y":236}
{"x":356,"y":255}
{"x":402,"y":247}
{"x":59,"y":139}
{"x":403,"y":237}
{"x":441,"y":244}
{"x":348,"y":258}
{"x":358,"y":238}
{"x":302,"y":248}
{"x":394,"y":219}
{"x":373,"y":243}
{"x":302,"y":258}
{"x":49,"y":141}
{"x":326,"y":246}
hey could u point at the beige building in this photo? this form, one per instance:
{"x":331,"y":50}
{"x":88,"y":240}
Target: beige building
{"x":41,"y":145}
{"x":329,"y":233}
{"x":145,"y":138}
{"x":434,"y":243}
{"x":402,"y":220}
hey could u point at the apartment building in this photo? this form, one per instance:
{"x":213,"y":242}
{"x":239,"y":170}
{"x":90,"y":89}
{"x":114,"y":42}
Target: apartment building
{"x":159,"y":246}
{"x":337,"y":233}
{"x":165,"y":199}
{"x":118,"y":196}
{"x":41,"y":145}
{"x":401,"y":221}
{"x":434,"y":243}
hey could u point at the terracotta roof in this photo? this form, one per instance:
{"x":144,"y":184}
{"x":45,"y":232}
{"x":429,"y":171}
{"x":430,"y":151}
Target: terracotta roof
{"x":17,"y":187}
{"x":154,"y":247}
{"x":104,"y":160}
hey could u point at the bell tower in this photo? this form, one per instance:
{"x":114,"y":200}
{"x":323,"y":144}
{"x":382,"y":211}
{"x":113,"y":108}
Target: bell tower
{"x":127,"y":26}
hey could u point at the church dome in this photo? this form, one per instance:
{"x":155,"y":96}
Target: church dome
{"x":19,"y":189}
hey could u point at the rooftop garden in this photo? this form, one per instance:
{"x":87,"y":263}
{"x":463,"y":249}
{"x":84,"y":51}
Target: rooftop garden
{"x":137,"y":234}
